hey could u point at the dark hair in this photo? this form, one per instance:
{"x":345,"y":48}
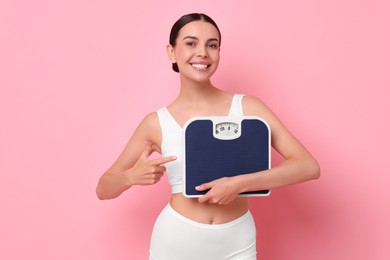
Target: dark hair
{"x":185,"y":19}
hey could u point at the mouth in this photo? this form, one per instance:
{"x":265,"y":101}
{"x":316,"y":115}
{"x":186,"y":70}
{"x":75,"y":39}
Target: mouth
{"x":199,"y":66}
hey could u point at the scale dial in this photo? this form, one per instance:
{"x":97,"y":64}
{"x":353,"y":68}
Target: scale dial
{"x":227,"y":129}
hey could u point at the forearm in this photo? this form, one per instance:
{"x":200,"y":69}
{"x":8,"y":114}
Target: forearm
{"x":289,"y":172}
{"x":111,"y":186}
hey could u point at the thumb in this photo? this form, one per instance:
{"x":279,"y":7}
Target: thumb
{"x":204,"y":186}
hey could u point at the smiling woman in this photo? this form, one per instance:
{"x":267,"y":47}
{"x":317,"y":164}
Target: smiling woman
{"x":196,"y":47}
{"x":185,"y":20}
{"x":217,"y":225}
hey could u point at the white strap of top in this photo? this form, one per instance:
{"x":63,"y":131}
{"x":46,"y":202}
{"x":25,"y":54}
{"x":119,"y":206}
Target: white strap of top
{"x":236,"y":108}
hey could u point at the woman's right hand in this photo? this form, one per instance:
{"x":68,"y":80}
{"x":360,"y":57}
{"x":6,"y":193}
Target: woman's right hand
{"x":147,"y":171}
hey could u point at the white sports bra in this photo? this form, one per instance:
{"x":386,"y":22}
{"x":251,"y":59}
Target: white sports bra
{"x":172,"y":142}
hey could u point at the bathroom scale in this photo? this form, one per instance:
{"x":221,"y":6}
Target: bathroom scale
{"x":224,"y":146}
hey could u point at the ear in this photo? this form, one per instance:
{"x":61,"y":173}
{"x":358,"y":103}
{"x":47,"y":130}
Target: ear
{"x":171,"y":53}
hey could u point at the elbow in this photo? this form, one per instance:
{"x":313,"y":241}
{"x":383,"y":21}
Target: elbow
{"x":313,"y":170}
{"x":104,"y":194}
{"x":100,"y":194}
{"x":102,"y":189}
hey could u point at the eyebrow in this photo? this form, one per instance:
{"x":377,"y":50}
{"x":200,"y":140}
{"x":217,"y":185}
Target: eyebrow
{"x":195,"y":38}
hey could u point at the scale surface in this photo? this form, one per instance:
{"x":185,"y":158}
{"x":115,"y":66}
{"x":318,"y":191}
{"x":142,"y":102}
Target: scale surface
{"x":224,"y":146}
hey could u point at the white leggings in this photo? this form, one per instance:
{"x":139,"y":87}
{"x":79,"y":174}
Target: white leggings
{"x":176,"y":237}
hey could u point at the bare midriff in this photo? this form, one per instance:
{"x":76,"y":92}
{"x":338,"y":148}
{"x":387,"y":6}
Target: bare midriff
{"x":208,"y":213}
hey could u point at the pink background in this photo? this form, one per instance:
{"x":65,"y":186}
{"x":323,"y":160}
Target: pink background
{"x":76,"y":77}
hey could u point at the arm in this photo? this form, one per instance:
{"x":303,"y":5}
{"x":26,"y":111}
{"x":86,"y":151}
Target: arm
{"x":133,"y":166}
{"x":299,"y":164}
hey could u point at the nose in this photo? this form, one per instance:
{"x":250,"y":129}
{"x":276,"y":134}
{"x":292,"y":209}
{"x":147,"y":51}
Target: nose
{"x":202,"y":52}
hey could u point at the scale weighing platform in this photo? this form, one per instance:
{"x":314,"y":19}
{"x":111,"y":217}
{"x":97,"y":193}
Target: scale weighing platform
{"x":224,"y":146}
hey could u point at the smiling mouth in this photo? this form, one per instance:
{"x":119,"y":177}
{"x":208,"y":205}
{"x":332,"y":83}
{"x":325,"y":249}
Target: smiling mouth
{"x":200,"y":66}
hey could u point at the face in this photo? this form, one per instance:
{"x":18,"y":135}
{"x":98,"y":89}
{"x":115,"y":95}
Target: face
{"x":197,"y":51}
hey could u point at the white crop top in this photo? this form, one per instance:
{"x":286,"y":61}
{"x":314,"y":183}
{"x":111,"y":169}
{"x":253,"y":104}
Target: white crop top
{"x":172,"y":142}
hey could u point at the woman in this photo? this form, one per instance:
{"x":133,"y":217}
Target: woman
{"x":217,"y":225}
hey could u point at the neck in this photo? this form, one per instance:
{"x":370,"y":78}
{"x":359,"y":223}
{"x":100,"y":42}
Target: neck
{"x":197,"y":92}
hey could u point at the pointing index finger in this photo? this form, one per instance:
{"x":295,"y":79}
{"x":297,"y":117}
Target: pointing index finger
{"x":163,"y":160}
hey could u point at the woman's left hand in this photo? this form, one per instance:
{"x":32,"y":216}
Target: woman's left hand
{"x":221,"y":191}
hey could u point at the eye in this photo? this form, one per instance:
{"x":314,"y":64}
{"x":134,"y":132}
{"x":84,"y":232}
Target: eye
{"x":213,"y":45}
{"x":191,"y":44}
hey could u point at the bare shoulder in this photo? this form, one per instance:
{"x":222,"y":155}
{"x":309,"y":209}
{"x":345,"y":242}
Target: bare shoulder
{"x":253,"y":106}
{"x":151,"y":120}
{"x":149,"y":128}
{"x":282,"y":139}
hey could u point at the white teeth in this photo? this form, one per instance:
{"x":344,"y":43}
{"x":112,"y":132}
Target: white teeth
{"x":199,"y":66}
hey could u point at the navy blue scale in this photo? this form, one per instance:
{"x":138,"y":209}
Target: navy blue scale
{"x":208,"y":158}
